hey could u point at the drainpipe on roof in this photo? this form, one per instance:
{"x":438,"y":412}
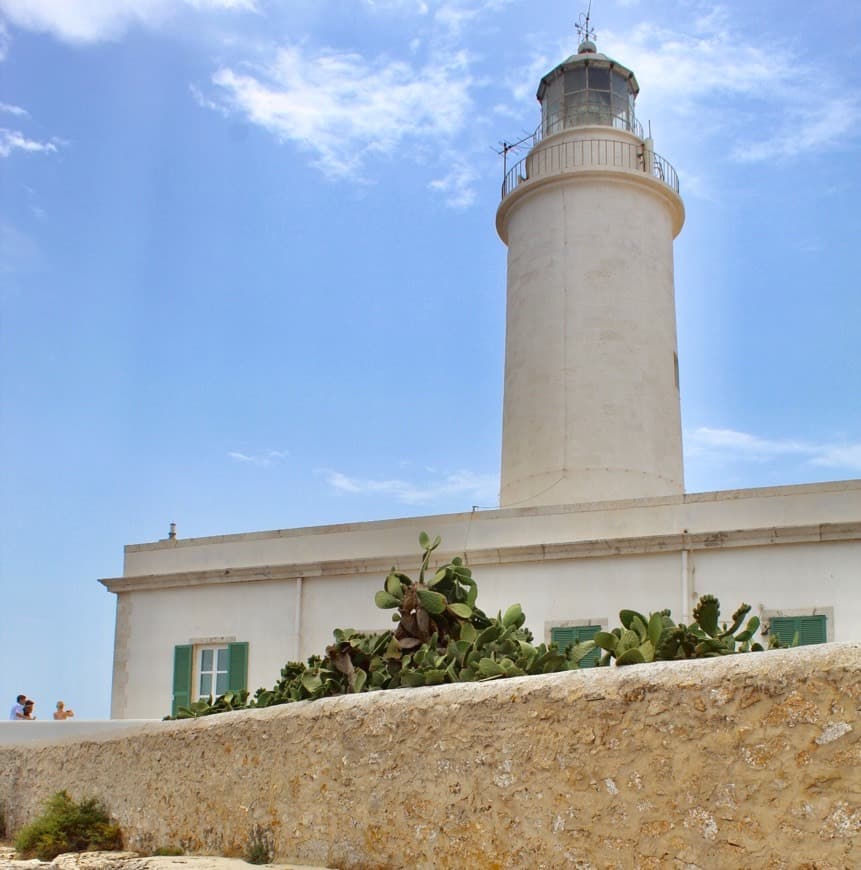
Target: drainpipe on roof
{"x":297,"y":624}
{"x":686,"y":588}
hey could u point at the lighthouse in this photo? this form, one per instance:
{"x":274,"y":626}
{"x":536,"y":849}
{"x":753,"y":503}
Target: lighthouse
{"x":591,"y":398}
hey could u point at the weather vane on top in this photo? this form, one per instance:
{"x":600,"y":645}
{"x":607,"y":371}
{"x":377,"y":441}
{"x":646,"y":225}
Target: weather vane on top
{"x":583,"y":26}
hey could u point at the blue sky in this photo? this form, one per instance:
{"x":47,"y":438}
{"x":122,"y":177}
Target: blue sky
{"x":249,"y":274}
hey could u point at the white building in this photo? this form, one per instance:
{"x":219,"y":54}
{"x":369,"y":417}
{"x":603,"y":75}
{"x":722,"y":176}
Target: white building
{"x":594,"y":517}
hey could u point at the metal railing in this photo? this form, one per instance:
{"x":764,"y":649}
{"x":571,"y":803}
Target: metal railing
{"x":558,"y":159}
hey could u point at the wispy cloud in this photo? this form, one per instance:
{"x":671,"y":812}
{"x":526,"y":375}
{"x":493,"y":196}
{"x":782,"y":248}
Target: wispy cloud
{"x":75,"y":21}
{"x":8,"y":109}
{"x":714,"y":66}
{"x":347,"y":109}
{"x":457,"y":186}
{"x":457,"y":15}
{"x":808,"y":128}
{"x":729,"y":445}
{"x":15,"y":140}
{"x":262,"y":460}
{"x":452,"y":15}
{"x":473,"y":488}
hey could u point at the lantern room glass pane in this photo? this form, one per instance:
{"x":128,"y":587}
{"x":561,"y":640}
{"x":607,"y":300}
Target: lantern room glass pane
{"x":588,"y":93}
{"x":599,"y":78}
{"x":575,"y":79}
{"x":620,"y":84}
{"x":551,"y":107}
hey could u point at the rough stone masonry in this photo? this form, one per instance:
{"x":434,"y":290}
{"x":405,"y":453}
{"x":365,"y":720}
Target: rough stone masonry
{"x":745,"y":761}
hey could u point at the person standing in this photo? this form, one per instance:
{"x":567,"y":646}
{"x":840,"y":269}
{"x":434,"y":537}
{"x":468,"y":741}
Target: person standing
{"x":17,"y":711}
{"x":62,"y":713}
{"x":29,"y":704}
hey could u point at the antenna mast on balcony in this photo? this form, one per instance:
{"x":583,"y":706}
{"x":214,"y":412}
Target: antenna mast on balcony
{"x":505,"y":147}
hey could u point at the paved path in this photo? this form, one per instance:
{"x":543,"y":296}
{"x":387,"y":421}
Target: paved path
{"x":133,"y":861}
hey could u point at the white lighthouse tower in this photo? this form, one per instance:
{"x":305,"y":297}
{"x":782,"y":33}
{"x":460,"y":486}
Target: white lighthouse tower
{"x":591,"y":408}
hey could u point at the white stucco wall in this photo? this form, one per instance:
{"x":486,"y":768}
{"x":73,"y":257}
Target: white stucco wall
{"x":151,"y":622}
{"x":791,"y":578}
{"x":779,"y":549}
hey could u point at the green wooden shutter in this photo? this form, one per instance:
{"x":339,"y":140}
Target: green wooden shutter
{"x":237,"y":666}
{"x":568,"y":635}
{"x":182,"y":663}
{"x":810,"y":629}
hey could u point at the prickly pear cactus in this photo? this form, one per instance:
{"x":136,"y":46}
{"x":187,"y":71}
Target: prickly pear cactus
{"x":441,"y":636}
{"x":658,"y":638}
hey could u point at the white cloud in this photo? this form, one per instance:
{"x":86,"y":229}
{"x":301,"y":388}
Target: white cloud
{"x":262,"y":460}
{"x":729,"y":445}
{"x":481,"y":489}
{"x":346,"y":109}
{"x":457,"y":185}
{"x":96,"y":20}
{"x":452,"y":16}
{"x":455,"y":15}
{"x":808,"y":128}
{"x":14,"y":140}
{"x":9,"y":109}
{"x":419,"y":7}
{"x":736,"y":87}
{"x":843,"y":456}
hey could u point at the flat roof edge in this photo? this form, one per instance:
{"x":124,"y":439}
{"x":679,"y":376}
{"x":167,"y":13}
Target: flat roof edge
{"x":492,"y":513}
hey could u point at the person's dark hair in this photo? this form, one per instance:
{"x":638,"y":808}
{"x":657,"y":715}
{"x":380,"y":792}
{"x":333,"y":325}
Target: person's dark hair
{"x":21,"y":698}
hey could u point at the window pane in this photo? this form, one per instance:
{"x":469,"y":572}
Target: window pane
{"x":205,"y":685}
{"x":575,"y":79}
{"x":221,"y":684}
{"x":206,"y":659}
{"x":620,"y":84}
{"x":599,"y":79}
{"x":620,"y":106}
{"x":222,"y":658}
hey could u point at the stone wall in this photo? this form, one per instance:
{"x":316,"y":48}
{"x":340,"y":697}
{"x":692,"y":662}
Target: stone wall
{"x":748,"y":761}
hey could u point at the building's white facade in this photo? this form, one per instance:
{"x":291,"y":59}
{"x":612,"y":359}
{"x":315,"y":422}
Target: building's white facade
{"x":593,"y":515}
{"x":785,"y":550}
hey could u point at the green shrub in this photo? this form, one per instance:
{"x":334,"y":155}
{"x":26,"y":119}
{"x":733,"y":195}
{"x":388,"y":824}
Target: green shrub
{"x":260,"y":848}
{"x":168,"y":851}
{"x":66,"y":826}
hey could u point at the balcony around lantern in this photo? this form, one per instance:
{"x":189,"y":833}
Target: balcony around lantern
{"x":593,"y":153}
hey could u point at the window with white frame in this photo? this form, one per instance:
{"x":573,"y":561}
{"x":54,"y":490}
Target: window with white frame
{"x":211,"y":671}
{"x":208,"y":667}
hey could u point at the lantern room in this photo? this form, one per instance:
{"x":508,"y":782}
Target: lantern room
{"x":588,"y":89}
